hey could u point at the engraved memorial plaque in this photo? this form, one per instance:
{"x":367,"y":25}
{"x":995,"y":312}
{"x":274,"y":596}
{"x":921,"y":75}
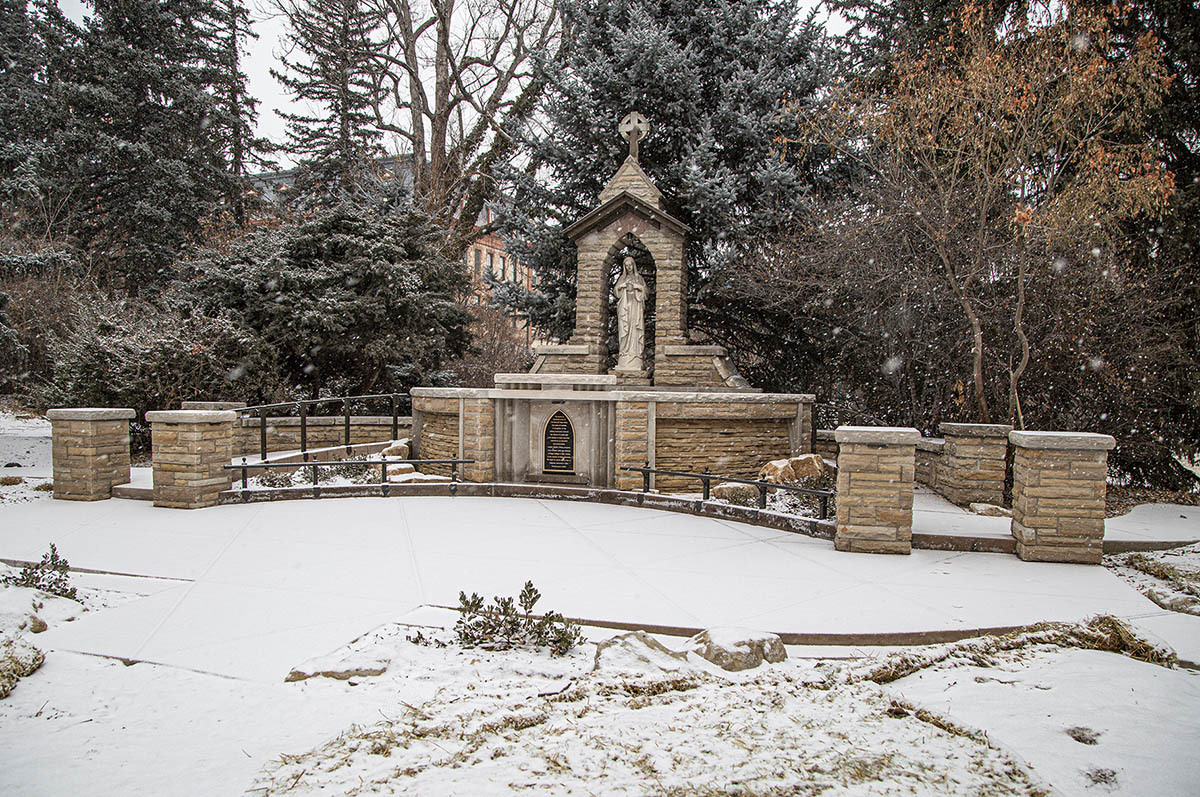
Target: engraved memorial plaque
{"x":558,"y":445}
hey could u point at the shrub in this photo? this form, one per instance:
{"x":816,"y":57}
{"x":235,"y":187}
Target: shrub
{"x":51,"y":575}
{"x":501,"y":626}
{"x":122,"y":352}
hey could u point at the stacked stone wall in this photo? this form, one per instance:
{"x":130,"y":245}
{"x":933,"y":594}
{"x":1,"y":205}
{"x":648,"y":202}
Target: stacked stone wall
{"x":632,"y":419}
{"x":1059,"y":490}
{"x":190,"y":449}
{"x":973,"y":463}
{"x":479,"y":440}
{"x":439,"y":439}
{"x":929,"y":461}
{"x":876,"y":470}
{"x":90,"y":451}
{"x":283,"y":433}
{"x":692,"y":370}
{"x":727,"y":446}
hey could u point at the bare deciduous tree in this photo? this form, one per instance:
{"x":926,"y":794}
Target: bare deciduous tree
{"x":452,"y":76}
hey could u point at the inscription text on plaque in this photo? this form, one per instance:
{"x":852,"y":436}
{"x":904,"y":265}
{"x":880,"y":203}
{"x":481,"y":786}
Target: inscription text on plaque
{"x":558,"y":445}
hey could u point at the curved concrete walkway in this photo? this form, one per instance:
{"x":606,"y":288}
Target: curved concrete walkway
{"x":249,"y":591}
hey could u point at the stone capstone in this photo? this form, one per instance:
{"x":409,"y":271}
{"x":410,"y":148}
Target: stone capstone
{"x":990,"y":510}
{"x":735,"y":649}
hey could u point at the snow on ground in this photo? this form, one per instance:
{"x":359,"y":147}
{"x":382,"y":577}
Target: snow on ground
{"x":1086,"y":721}
{"x":627,"y":719}
{"x":1170,"y":578}
{"x":24,"y":455}
{"x":25,"y":441}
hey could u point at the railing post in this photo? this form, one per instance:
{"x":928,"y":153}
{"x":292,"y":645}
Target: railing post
{"x":303,"y":430}
{"x":245,"y":475}
{"x":646,"y":478}
{"x":395,"y":418}
{"x":824,"y":507}
{"x":762,"y":495}
{"x":707,"y":482}
{"x":383,"y":479}
{"x":346,"y":415}
{"x":262,"y":434}
{"x":316,"y":488}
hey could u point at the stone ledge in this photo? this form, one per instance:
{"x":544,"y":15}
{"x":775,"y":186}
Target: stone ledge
{"x":975,"y":429}
{"x":722,"y":397}
{"x":555,"y":379}
{"x":677,"y":350}
{"x":90,"y":414}
{"x":1063,"y":441}
{"x":934,"y":444}
{"x":560,"y":349}
{"x":191,"y":416}
{"x":895,"y":435}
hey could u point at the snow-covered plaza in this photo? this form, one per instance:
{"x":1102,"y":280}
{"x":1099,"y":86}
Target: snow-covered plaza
{"x":173,"y":680}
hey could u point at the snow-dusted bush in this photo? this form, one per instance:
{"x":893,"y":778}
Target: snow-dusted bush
{"x":52,"y":575}
{"x":352,"y":301}
{"x":509,"y":623}
{"x":123,"y":352}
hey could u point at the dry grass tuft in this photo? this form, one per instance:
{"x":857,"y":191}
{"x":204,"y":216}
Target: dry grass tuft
{"x":11,"y":481}
{"x":1103,"y":632}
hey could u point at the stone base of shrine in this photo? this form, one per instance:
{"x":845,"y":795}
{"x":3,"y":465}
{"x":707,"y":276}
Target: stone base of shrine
{"x":587,"y":428}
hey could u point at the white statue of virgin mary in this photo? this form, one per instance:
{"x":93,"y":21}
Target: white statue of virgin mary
{"x":631,"y":317}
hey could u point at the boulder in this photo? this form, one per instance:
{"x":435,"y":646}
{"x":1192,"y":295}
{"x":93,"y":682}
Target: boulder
{"x":401,"y":469}
{"x":808,"y":466}
{"x":777,"y":471}
{"x":990,"y":510}
{"x":736,"y":649}
{"x":397,"y":451}
{"x":637,"y":652}
{"x":735,"y":493}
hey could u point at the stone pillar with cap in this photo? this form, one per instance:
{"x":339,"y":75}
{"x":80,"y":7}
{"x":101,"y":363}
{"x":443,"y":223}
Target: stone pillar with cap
{"x":876,"y":470}
{"x":190,"y":451}
{"x":1059,"y":491}
{"x":973,"y":463}
{"x":90,"y":451}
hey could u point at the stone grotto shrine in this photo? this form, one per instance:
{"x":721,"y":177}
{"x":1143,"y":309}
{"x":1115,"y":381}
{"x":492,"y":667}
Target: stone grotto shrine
{"x":629,"y":388}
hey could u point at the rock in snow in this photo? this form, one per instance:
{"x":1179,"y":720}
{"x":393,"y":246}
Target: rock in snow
{"x":990,"y":510}
{"x":736,"y":649}
{"x":777,"y":471}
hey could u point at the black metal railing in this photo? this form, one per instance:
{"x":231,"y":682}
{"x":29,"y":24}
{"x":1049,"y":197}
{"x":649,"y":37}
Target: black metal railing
{"x":706,"y":479}
{"x":396,"y":401}
{"x":314,"y":467}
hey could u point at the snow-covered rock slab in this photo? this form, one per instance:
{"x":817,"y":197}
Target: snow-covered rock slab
{"x":735,"y":649}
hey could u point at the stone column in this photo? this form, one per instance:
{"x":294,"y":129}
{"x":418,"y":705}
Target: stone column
{"x":479,"y":440}
{"x":973,"y":466}
{"x":876,"y":468}
{"x":90,"y":449}
{"x":1059,"y":487}
{"x":632,"y":422}
{"x":190,"y":451}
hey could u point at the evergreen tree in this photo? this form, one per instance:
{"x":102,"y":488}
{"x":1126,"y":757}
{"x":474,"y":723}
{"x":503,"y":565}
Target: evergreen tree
{"x":356,"y":300}
{"x":137,"y":147}
{"x":329,"y":69}
{"x":28,"y":108}
{"x":243,"y":149}
{"x":711,"y":77}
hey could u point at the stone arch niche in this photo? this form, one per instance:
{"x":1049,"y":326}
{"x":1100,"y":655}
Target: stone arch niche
{"x":632,"y":246}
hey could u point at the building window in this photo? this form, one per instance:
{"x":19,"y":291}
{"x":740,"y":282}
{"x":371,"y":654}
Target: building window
{"x":478,"y":262}
{"x":491,"y":264}
{"x":503,"y":268}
